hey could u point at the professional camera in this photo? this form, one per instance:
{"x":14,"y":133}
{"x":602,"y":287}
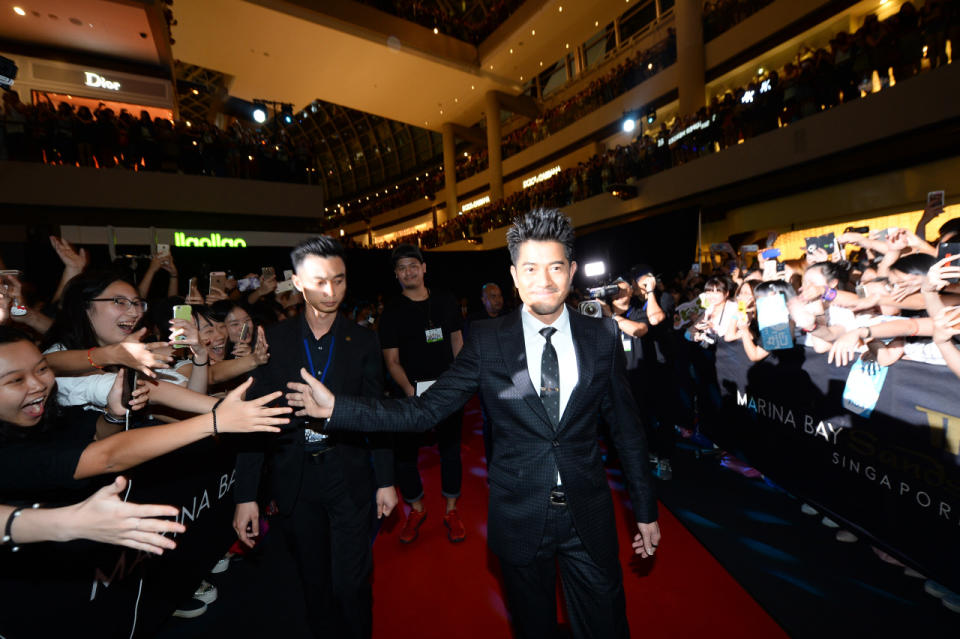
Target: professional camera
{"x":591,"y":307}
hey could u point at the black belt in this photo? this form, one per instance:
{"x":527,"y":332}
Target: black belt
{"x":557,"y":496}
{"x":315,"y":451}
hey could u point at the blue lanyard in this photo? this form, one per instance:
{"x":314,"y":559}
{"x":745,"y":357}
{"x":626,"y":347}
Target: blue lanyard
{"x":306,"y":348}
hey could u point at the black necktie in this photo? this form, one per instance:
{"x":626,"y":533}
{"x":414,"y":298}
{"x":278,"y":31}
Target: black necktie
{"x":550,"y":377}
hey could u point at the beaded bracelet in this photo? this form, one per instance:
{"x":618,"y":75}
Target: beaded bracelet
{"x":7,"y":536}
{"x":90,"y":359}
{"x":213,"y":411}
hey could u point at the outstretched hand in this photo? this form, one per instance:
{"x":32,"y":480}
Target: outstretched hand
{"x":312,"y":398}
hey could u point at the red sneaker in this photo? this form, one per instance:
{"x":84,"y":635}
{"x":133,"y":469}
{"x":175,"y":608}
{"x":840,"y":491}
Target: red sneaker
{"x":455,"y":530}
{"x":411,"y":527}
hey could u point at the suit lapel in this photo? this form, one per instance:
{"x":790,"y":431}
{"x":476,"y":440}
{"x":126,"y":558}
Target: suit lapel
{"x":583,"y":331}
{"x":514,"y":353}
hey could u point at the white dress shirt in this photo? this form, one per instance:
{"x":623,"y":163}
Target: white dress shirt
{"x":562,"y":342}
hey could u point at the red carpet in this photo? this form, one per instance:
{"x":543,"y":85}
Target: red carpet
{"x":433,"y":589}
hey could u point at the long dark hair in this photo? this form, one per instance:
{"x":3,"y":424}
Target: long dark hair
{"x":11,"y":433}
{"x":219,"y":310}
{"x":72,"y":326}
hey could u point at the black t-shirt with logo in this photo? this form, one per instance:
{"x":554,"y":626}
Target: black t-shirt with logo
{"x":421,"y":330}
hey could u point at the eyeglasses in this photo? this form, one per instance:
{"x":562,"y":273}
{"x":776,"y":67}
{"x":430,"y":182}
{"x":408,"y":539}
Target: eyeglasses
{"x":124,"y":302}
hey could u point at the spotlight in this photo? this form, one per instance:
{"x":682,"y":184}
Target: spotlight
{"x":286,"y":113}
{"x":259,"y":115}
{"x":594,"y":269}
{"x":651,"y":115}
{"x":629,"y":125}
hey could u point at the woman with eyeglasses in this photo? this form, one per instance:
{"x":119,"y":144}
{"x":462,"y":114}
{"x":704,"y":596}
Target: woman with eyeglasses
{"x":97,"y":331}
{"x":56,"y":456}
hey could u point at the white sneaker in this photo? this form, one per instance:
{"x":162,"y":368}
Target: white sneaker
{"x":935,"y":589}
{"x":829,"y":523}
{"x":221,"y":566}
{"x":206,"y":592}
{"x":952,"y":603}
{"x":845,"y":536}
{"x":190,"y":609}
{"x":807,"y":509}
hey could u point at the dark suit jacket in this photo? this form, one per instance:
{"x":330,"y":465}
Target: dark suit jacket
{"x":356,"y":369}
{"x":526,"y":448}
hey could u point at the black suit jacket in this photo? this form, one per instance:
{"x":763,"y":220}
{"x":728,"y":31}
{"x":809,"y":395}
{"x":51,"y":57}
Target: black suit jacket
{"x":526,"y":448}
{"x":356,"y":369}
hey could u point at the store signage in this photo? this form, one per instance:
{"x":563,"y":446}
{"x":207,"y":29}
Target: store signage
{"x":545,"y":175}
{"x":97,"y":81}
{"x":215,"y":240}
{"x":469,"y":206}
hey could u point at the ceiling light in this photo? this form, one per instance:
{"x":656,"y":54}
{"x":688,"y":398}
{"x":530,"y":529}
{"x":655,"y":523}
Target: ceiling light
{"x":568,"y":45}
{"x":195,"y":91}
{"x":19,"y":11}
{"x":533,"y":32}
{"x":456,"y":99}
{"x":521,"y":78}
{"x":491,"y":67}
{"x":560,"y":8}
{"x":541,"y":63}
{"x":511,"y":50}
{"x":436,"y":31}
{"x":596,"y":23}
{"x":472,"y":87}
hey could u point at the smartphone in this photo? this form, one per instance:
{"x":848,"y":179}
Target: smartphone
{"x":773,"y":318}
{"x":182,"y":312}
{"x":935,"y":200}
{"x":191,"y":285}
{"x":248,"y":284}
{"x":770,"y":254}
{"x":741,"y":306}
{"x":861,"y":291}
{"x":862,"y":230}
{"x":244,"y":330}
{"x":129,"y":385}
{"x":285,"y":286}
{"x":218,"y":280}
{"x":267,"y":271}
{"x":695,"y":268}
{"x":781,"y":267}
{"x":749,"y":248}
{"x":949,"y":249}
{"x":163,"y":250}
{"x":770,"y":270}
{"x":287,"y":274}
{"x":880,"y":235}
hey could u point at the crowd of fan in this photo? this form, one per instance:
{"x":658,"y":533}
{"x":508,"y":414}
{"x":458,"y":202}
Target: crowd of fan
{"x":815,"y":80}
{"x":617,"y":81}
{"x":882,"y":296}
{"x":721,"y":15}
{"x":60,"y":134}
{"x":433,"y":16}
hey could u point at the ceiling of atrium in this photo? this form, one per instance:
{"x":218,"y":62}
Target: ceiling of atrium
{"x":351,"y":54}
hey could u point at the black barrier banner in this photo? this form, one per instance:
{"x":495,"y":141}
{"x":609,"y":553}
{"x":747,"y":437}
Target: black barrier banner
{"x":894,"y":476}
{"x":86,"y":589}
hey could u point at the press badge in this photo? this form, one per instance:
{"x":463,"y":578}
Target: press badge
{"x":627,"y":345}
{"x":434,"y":335}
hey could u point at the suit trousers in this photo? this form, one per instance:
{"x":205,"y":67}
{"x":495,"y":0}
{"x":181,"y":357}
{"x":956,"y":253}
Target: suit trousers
{"x":449,"y":436}
{"x":595,"y":600}
{"x":328,"y":534}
